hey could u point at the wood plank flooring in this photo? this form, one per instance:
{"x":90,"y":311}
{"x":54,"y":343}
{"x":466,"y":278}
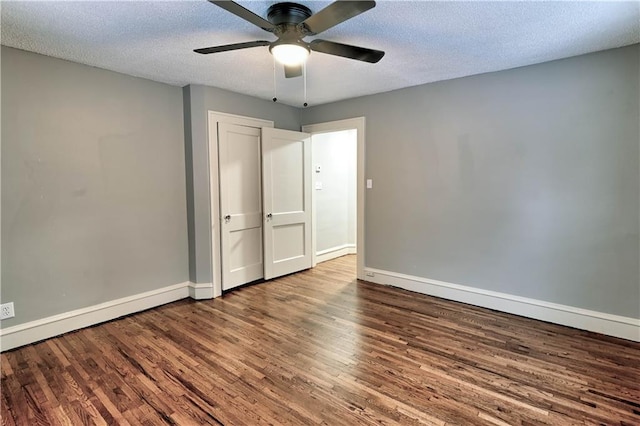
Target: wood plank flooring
{"x":321,"y":348}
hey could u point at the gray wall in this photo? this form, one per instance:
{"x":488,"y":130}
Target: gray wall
{"x":198,"y":101}
{"x":335,"y":203}
{"x":524,"y":181}
{"x":93,"y":186}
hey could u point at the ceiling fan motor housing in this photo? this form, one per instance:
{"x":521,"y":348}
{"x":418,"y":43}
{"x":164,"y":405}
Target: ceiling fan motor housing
{"x":287,"y":13}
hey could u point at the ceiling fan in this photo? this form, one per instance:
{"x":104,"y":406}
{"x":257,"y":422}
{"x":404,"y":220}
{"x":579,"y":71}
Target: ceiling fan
{"x":291,"y":22}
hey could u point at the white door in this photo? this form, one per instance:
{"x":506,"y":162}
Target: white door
{"x":286,"y":179}
{"x":240,"y":204}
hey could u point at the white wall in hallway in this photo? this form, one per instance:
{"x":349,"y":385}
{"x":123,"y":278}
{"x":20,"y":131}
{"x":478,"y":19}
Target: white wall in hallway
{"x":335,"y":154}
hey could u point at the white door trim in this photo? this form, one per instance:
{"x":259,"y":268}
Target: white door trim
{"x":214,"y":118}
{"x":359,"y":124}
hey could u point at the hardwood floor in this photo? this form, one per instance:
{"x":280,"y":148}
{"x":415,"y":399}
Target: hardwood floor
{"x":321,"y":348}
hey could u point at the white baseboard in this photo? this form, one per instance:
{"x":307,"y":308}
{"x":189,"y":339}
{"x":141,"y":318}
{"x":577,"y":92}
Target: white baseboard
{"x":34,"y":331}
{"x":201,"y":291}
{"x":334,"y":252}
{"x":584,"y":319}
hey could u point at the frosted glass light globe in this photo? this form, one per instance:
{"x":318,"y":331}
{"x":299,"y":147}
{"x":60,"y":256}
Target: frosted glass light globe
{"x":290,"y":54}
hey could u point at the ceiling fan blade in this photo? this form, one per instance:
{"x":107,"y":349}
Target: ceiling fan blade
{"x":346,"y":51}
{"x":246,"y":14}
{"x":291,"y":71}
{"x":235,"y":46}
{"x":335,"y":13}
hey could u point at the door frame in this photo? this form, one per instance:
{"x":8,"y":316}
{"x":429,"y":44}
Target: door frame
{"x":358,"y":123}
{"x":213,"y":118}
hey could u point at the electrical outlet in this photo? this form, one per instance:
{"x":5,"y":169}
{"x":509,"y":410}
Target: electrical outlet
{"x":6,"y":311}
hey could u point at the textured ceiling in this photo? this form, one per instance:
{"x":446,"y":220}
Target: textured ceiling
{"x":424,"y":41}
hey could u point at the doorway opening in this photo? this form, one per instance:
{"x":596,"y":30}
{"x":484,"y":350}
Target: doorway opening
{"x":334,"y":156}
{"x":339,"y":190}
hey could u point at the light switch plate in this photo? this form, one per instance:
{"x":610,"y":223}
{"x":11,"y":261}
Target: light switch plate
{"x":369,"y":183}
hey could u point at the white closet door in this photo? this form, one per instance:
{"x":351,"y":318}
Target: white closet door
{"x":240,"y":204}
{"x":286,"y":179}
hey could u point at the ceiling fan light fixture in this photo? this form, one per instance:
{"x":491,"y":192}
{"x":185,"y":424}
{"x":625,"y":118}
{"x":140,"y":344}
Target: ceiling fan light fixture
{"x":291,"y":23}
{"x":290,"y":53}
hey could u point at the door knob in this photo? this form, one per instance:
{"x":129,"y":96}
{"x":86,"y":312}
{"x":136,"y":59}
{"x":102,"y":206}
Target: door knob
{"x":269,"y":216}
{"x":227,"y":217}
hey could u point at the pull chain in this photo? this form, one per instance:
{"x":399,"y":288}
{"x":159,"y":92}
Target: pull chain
{"x":304,"y":76}
{"x":275,"y":99}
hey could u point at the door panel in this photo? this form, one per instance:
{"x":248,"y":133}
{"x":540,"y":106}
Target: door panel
{"x":287,"y":164}
{"x":286,"y":161}
{"x":291,"y":238}
{"x":240,"y":204}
